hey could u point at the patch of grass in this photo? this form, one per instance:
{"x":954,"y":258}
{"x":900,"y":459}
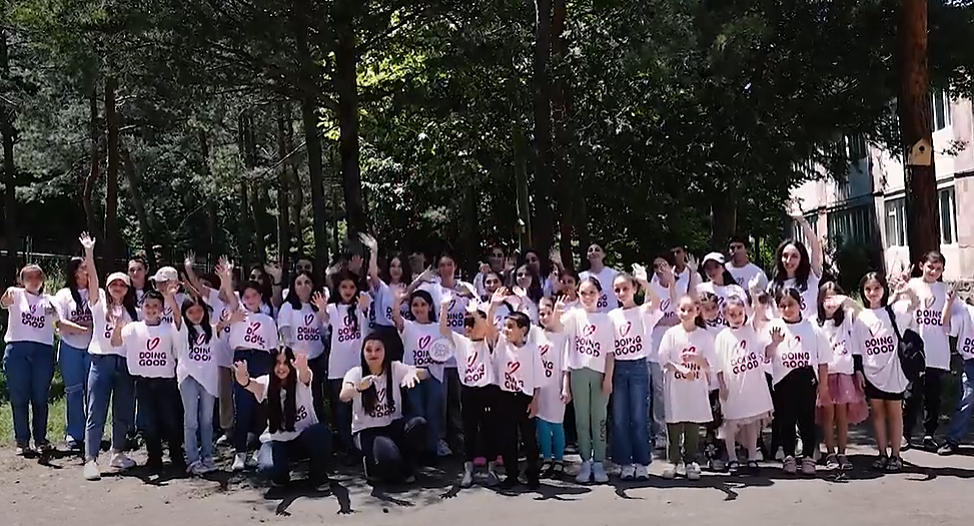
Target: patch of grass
{"x":56,"y":422}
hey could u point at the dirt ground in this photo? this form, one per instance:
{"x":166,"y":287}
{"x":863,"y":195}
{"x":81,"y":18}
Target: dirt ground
{"x":931,"y":489}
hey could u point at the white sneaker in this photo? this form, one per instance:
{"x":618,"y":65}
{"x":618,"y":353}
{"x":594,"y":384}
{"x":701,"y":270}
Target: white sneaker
{"x":253,"y":460}
{"x":467,"y":480}
{"x":681,"y":470}
{"x":718,"y":464}
{"x":91,"y":470}
{"x":759,"y":456}
{"x":693,"y":471}
{"x":224,"y":440}
{"x":121,"y":461}
{"x":669,"y":472}
{"x":628,"y":472}
{"x":239,"y":462}
{"x":584,"y":473}
{"x":599,"y":474}
{"x":442,"y":449}
{"x":780,"y":455}
{"x":642,"y":473}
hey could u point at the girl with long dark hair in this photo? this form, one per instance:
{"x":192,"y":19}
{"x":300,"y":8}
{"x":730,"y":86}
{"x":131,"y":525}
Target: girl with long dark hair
{"x":301,"y":323}
{"x":293,"y":431}
{"x":74,"y":331}
{"x":395,"y":275}
{"x":799,"y":267}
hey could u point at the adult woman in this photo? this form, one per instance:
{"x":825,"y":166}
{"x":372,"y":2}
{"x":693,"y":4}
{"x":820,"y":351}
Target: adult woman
{"x":269,"y":278}
{"x":293,"y":430}
{"x":603,"y":274}
{"x":251,"y":340}
{"x":799,"y":267}
{"x":300,"y":325}
{"x":74,"y":329}
{"x":28,"y":359}
{"x":529,"y":280}
{"x":665,"y":285}
{"x":137,"y":269}
{"x":108,"y":378}
{"x":720,"y":282}
{"x":389,"y":442}
{"x":395,"y":275}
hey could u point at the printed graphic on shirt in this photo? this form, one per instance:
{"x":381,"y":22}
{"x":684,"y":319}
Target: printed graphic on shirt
{"x":421,"y":353}
{"x":253,"y":335}
{"x":928,"y":316}
{"x":795,"y":357}
{"x":686,"y":356}
{"x":744,"y":360}
{"x":585,"y":342}
{"x":511,"y":380}
{"x":383,"y":404}
{"x":81,"y":314}
{"x":547,"y":361}
{"x":473,"y":371}
{"x":200,"y":350}
{"x":309,"y":331}
{"x":876,"y":345}
{"x":628,"y":341}
{"x":350,"y":329}
{"x":151,"y":356}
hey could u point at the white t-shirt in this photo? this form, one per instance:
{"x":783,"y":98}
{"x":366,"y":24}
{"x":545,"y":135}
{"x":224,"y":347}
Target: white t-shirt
{"x":198,"y":359}
{"x":388,"y":406}
{"x":874,"y":334}
{"x":417,"y":340}
{"x":809,"y":296}
{"x":256,"y":331}
{"x":475,"y":364}
{"x":744,"y":275}
{"x":936,"y":344}
{"x":740,"y":359}
{"x":305,"y":329}
{"x":519,"y":369}
{"x":220,"y":312}
{"x":456,"y":311}
{"x":383,"y":305}
{"x":631,"y":329}
{"x":150,"y":351}
{"x":304,"y":411}
{"x":102,"y":329}
{"x":551,"y":347}
{"x":842,"y":343}
{"x":167,"y":314}
{"x":962,"y":327}
{"x":590,"y":337}
{"x":805,"y":345}
{"x":682,"y":281}
{"x":667,"y":308}
{"x":723,"y":292}
{"x":31,"y":318}
{"x":606,"y":276}
{"x":348,"y":325}
{"x":76,"y":313}
{"x":686,"y":396}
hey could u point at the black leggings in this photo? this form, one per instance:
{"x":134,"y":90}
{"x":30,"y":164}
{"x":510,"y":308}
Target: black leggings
{"x":391,"y":450}
{"x":475,"y":409}
{"x":794,"y":404}
{"x":925,"y":393}
{"x":162,"y":407}
{"x":510,"y":417}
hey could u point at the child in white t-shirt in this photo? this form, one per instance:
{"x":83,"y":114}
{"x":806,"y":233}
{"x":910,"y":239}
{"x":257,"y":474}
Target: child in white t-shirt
{"x":293,"y":430}
{"x":150,"y":349}
{"x":712,"y":315}
{"x":555,"y":388}
{"x":687,"y":356}
{"x":958,"y":318}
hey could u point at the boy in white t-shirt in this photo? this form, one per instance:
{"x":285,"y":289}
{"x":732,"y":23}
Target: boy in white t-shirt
{"x":150,"y":349}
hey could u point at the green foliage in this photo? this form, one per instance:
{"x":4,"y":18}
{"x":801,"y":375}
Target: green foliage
{"x":853,"y":261}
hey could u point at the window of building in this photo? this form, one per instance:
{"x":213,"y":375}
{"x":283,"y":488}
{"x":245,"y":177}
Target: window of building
{"x":856,"y":147}
{"x":796,"y":229}
{"x":851,"y":225}
{"x":896,"y":222}
{"x":939,"y":110}
{"x":948,"y":216}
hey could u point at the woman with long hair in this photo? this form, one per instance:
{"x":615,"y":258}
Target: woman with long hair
{"x":603,"y":274}
{"x":74,"y":331}
{"x":799,"y":267}
{"x":300,"y":324}
{"x":395,"y":275}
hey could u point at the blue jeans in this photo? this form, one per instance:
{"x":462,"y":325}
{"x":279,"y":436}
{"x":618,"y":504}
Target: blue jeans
{"x":630,"y":437}
{"x":551,"y":439}
{"x":197,"y":415}
{"x":108,"y":380}
{"x":343,"y":416}
{"x":74,"y":364}
{"x":426,"y":400}
{"x":313,"y":443}
{"x":657,"y":413}
{"x":249,"y":418}
{"x":965,"y":405}
{"x":29,"y":367}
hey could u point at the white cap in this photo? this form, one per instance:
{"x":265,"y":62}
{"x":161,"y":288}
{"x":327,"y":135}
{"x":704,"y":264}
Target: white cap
{"x":166,"y":274}
{"x":118,"y":276}
{"x":716,"y":257}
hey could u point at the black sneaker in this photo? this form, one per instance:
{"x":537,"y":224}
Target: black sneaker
{"x":948,"y":449}
{"x":929,"y":443}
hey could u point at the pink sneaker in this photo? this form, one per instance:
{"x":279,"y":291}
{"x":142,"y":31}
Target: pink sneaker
{"x":479,"y":462}
{"x":500,"y":460}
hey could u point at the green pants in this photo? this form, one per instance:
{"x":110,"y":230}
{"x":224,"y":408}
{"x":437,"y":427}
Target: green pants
{"x":590,"y":413}
{"x":689,"y":434}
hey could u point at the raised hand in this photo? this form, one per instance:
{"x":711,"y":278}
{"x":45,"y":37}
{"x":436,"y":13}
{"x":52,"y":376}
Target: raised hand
{"x":951,"y":293}
{"x":520,"y":293}
{"x":639,"y":272}
{"x":273,"y":269}
{"x":240,"y":372}
{"x":320,"y":300}
{"x":300,"y":362}
{"x":224,"y":268}
{"x":777,"y":335}
{"x":369,"y":242}
{"x":366,"y":382}
{"x":190,"y":260}
{"x":691,"y":264}
{"x":172,"y":288}
{"x":364,"y":300}
{"x":237,"y":316}
{"x":411,"y":379}
{"x":499,"y":296}
{"x":560,"y":304}
{"x":754,"y":285}
{"x":87,"y":242}
{"x":484,"y":268}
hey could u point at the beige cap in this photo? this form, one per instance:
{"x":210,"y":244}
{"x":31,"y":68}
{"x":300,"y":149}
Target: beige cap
{"x":120,"y":277}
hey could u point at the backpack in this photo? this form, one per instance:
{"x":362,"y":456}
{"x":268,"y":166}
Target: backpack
{"x":909,"y":348}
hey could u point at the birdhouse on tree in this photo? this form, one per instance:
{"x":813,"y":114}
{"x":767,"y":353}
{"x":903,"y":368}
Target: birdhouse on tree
{"x":921,"y":153}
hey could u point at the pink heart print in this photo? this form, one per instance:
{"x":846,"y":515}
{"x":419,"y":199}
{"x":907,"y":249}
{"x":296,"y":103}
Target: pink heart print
{"x":310,"y":317}
{"x":151,"y":344}
{"x":624,"y":330}
{"x":588,"y":330}
{"x":424,"y":342}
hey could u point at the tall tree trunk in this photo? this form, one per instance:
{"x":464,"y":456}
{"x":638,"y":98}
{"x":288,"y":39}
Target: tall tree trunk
{"x":94,"y":163}
{"x":283,"y":210}
{"x":561,"y":117}
{"x":581,"y":225}
{"x":244,"y":234}
{"x":317,"y":177}
{"x":544,"y":226}
{"x":723,"y":216}
{"x":913,"y":104}
{"x":332,"y":182}
{"x":295,"y":190}
{"x":145,"y":227}
{"x":11,"y":234}
{"x":346,"y":85}
{"x":111,"y":185}
{"x":256,"y":225}
{"x":524,"y":225}
{"x":212,"y":214}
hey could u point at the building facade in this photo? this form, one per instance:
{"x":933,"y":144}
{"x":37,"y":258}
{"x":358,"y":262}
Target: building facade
{"x":870,"y":205}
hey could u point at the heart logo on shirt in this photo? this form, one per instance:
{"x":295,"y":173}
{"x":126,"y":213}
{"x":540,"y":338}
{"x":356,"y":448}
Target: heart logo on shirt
{"x":624,"y":329}
{"x":424,"y":342}
{"x":512,"y":367}
{"x":543,"y":349}
{"x":200,"y":339}
{"x":151,"y":344}
{"x":742,"y":345}
{"x":380,"y":395}
{"x":472,"y":359}
{"x":452,"y":306}
{"x":33,"y":309}
{"x":929,"y":301}
{"x":797,"y":340}
{"x":254,"y":326}
{"x":588,"y":330}
{"x":690,"y":350}
{"x":309,"y":318}
{"x":664,"y":305}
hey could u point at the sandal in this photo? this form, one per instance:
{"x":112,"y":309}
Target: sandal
{"x":752,"y":464}
{"x":557,"y":470}
{"x":894,"y":465}
{"x":733,"y":466}
{"x":546,"y":468}
{"x":881,"y":463}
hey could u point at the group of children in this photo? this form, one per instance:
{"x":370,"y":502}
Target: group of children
{"x":679,"y":351}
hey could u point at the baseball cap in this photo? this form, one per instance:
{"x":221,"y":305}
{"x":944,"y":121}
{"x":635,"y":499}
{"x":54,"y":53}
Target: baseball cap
{"x":716,"y":257}
{"x":166,"y":274}
{"x":120,"y":276}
